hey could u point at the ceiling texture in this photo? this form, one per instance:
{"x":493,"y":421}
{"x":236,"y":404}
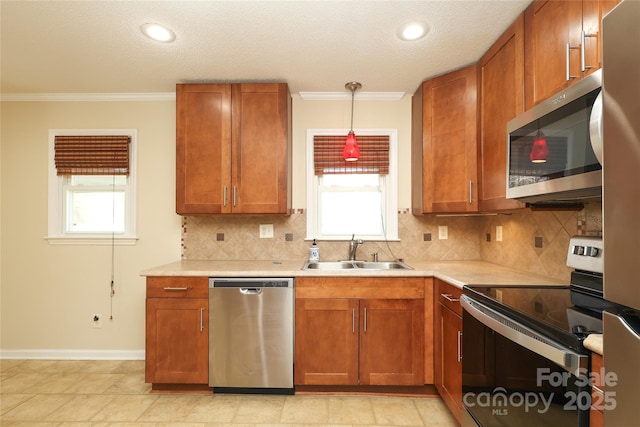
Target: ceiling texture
{"x":51,"y":47}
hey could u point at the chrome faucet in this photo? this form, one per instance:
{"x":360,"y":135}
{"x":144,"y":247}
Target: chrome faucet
{"x":353,"y":246}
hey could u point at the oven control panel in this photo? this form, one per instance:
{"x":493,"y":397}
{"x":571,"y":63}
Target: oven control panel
{"x":585,"y":253}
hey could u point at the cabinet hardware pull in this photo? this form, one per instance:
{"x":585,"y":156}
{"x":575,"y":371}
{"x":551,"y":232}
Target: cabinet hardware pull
{"x":175,"y":289}
{"x":365,"y":319}
{"x":583,"y":65}
{"x":234,"y":195}
{"x":353,"y":320}
{"x":201,"y":319}
{"x":224,"y":196}
{"x":470,"y":192}
{"x":449,"y":298}
{"x":569,"y":47}
{"x":459,"y":346}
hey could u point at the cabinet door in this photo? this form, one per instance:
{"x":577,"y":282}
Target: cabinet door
{"x":392,"y":338}
{"x":326,"y":342}
{"x":501,"y":84}
{"x":261,"y":148}
{"x":203,"y":148}
{"x":444,"y":144}
{"x":450,"y":387}
{"x":551,"y":25}
{"x":177,"y":341}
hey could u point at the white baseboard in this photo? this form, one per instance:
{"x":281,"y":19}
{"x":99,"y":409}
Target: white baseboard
{"x":73,"y":354}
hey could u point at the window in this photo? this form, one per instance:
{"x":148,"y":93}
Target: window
{"x":91,"y":186}
{"x":352,"y":198}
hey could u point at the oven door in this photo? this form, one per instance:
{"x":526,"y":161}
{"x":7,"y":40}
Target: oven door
{"x":513,"y":376}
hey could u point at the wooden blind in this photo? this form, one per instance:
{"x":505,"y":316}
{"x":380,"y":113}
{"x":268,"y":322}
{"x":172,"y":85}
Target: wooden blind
{"x":92,"y":154}
{"x":374,"y":155}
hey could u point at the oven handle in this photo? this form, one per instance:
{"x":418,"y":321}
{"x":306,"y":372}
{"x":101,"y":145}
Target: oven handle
{"x":568,"y":359}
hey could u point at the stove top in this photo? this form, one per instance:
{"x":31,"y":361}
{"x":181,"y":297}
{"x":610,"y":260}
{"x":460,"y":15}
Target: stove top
{"x":548,"y":310}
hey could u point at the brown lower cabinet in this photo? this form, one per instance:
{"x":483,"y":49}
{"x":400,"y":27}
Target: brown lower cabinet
{"x":596,"y":415}
{"x":448,"y":345}
{"x":177,"y":333}
{"x":344,"y":339}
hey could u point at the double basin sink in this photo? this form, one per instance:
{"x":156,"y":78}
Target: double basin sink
{"x":355,"y":265}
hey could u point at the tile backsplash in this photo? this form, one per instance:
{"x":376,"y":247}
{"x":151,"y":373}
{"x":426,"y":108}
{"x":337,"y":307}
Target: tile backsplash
{"x":472,"y":238}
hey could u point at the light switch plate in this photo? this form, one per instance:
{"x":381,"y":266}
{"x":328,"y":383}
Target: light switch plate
{"x":498,"y":233}
{"x":443,"y":232}
{"x":266,"y":231}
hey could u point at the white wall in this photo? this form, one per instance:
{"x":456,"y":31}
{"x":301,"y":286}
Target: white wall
{"x":48,"y":293}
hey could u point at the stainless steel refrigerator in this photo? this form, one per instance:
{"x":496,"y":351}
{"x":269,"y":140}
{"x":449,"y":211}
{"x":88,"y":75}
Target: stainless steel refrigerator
{"x":621,"y":211}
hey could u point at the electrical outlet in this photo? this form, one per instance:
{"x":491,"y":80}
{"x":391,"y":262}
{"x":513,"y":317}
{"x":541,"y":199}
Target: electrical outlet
{"x":498,"y":233}
{"x":443,"y":232}
{"x":266,"y":231}
{"x":97,"y":320}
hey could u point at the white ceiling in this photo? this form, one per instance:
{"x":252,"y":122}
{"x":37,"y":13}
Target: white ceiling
{"x":315,"y":46}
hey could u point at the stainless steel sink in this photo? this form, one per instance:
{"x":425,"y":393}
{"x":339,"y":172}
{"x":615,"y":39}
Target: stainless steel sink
{"x":355,"y":265}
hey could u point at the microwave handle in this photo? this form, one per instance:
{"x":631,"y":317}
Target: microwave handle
{"x":595,"y":127}
{"x":568,"y":359}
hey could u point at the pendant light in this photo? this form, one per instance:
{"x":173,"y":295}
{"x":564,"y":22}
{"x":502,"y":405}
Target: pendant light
{"x":351,"y":151}
{"x":539,"y":150}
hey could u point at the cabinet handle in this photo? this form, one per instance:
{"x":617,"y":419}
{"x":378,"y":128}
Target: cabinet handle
{"x":176,"y":289}
{"x":450,"y":298}
{"x":224,"y":196}
{"x":234,"y":195}
{"x":365,"y":319}
{"x":201,"y":319}
{"x":353,"y":320}
{"x":470,"y":192}
{"x":569,"y":47}
{"x":459,"y":346}
{"x":583,"y":66}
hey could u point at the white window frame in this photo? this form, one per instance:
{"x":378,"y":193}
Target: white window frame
{"x":390,"y":186}
{"x":57,"y":204}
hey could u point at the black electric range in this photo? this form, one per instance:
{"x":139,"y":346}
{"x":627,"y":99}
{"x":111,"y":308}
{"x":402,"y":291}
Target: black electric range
{"x":566,"y":313}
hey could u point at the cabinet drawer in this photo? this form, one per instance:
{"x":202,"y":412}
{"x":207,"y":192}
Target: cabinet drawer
{"x":177,"y":287}
{"x":449,"y":296}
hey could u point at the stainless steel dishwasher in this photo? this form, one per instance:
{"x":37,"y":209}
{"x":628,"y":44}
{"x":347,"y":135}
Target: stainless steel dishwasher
{"x":251,"y":334}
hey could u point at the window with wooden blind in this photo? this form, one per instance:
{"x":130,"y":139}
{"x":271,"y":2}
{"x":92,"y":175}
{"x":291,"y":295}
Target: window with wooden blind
{"x":352,"y":198}
{"x":91,"y":186}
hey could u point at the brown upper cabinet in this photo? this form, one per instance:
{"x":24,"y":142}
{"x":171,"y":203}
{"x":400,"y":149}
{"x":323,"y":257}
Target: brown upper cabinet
{"x":233,"y":148}
{"x":444,"y":144}
{"x":501,"y":98}
{"x":562,"y":44}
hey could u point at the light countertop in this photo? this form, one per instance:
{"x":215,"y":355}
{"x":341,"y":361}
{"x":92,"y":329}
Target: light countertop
{"x":458,"y":273}
{"x":594,"y":343}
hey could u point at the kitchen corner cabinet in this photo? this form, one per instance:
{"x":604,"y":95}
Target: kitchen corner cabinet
{"x":448,"y":346}
{"x":233,"y":148}
{"x":501,"y":92}
{"x":558,"y":35}
{"x":359,"y":331}
{"x":177,"y":333}
{"x":444,"y":144}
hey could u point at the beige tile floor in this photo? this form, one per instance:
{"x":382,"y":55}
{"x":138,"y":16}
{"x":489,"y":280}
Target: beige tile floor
{"x":42,"y":393}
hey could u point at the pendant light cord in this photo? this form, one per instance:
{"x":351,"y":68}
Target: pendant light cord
{"x":112,"y":291}
{"x":353,"y":92}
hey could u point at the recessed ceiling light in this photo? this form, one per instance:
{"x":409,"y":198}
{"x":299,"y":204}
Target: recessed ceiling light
{"x":158,"y":32}
{"x":413,"y":31}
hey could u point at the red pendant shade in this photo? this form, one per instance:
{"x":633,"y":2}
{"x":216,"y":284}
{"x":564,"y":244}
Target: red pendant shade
{"x":539,"y":150}
{"x":351,"y":151}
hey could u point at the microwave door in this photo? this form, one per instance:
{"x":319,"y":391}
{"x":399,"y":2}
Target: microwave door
{"x":621,"y":143}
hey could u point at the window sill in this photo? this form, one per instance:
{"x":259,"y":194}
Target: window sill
{"x":92,"y":241}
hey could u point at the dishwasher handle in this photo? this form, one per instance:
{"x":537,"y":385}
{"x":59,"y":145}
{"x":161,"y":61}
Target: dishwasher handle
{"x":250,"y":291}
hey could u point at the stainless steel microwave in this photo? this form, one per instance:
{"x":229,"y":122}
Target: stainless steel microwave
{"x":554,"y":149}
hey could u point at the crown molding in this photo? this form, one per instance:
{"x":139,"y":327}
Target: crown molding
{"x":341,"y":96}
